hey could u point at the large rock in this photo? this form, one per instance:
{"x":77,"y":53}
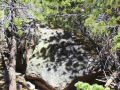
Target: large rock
{"x":59,"y":57}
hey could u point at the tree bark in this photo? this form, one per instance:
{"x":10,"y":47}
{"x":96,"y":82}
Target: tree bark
{"x":13,"y":49}
{"x":12,"y":65}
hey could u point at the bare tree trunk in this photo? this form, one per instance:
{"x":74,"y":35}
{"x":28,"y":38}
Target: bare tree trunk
{"x":13,"y":49}
{"x":12,"y":65}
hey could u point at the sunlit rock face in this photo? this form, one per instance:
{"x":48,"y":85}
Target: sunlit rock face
{"x":59,"y":57}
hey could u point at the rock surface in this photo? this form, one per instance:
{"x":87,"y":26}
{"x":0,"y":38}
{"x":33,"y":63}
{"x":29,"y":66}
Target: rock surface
{"x":59,"y":58}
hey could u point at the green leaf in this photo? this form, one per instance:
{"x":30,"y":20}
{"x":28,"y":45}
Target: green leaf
{"x":116,"y":38}
{"x":113,"y":21}
{"x":116,"y":46}
{"x":6,"y":24}
{"x":90,"y":21}
{"x":82,"y":86}
{"x":97,"y":87}
{"x":96,"y":12}
{"x":110,"y":2}
{"x":26,"y":20}
{"x":18,"y":22}
{"x":78,"y":85}
{"x":20,"y":33}
{"x":26,"y":1}
{"x":85,"y":86}
{"x":109,"y":11}
{"x":39,"y":16}
{"x":1,"y":14}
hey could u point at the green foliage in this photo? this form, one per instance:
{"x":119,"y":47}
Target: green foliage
{"x":64,"y":13}
{"x":98,"y":16}
{"x":20,"y":33}
{"x":6,"y":24}
{"x":116,"y":41}
{"x":56,"y":12}
{"x":70,"y":14}
{"x":101,"y":7}
{"x":1,"y":14}
{"x":85,"y":86}
{"x":18,"y":22}
{"x":26,"y":1}
{"x":112,"y":21}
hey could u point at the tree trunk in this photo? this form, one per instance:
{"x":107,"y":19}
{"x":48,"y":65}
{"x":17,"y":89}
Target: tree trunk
{"x":13,"y":49}
{"x":12,"y":65}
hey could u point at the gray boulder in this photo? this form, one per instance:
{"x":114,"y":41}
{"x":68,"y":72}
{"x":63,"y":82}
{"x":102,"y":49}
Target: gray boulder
{"x":59,"y":58}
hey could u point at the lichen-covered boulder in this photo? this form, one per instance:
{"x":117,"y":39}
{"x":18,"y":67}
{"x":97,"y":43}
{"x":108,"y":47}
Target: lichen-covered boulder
{"x":59,"y":57}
